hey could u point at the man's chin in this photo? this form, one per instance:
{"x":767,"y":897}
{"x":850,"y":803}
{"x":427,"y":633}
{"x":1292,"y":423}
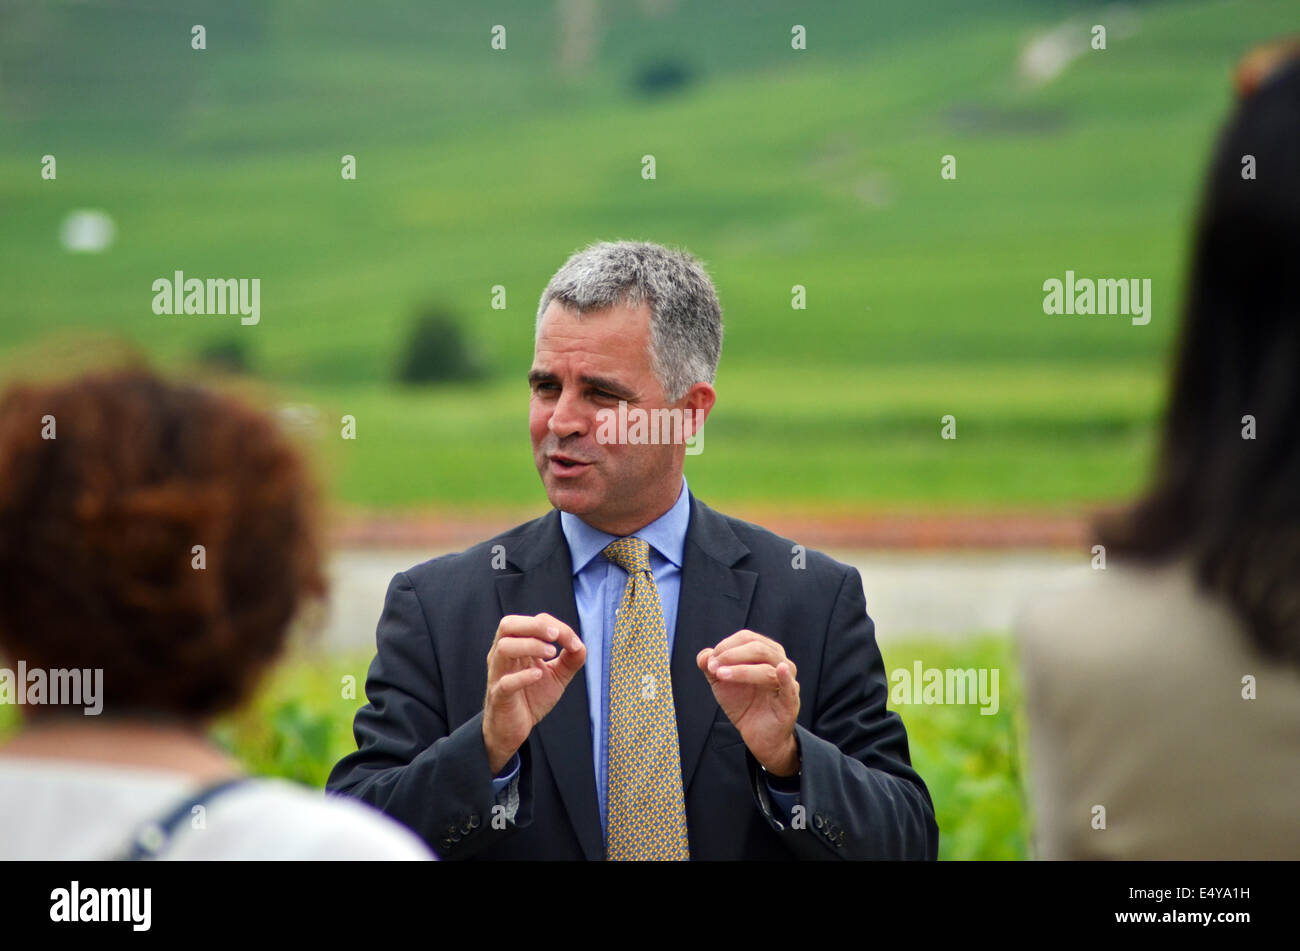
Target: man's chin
{"x":569,"y":498}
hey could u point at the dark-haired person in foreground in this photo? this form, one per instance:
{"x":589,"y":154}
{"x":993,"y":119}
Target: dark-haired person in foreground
{"x":138,"y":637}
{"x":633,"y":675}
{"x":1164,"y":699}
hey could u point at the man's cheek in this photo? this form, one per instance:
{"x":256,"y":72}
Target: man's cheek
{"x":537,"y":429}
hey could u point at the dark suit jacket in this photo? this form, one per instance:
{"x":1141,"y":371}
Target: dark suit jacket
{"x":421,"y":756}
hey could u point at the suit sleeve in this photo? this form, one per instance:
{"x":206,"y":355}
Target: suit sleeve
{"x":861,"y":799}
{"x":408,"y":763}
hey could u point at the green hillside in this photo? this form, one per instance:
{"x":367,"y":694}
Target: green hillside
{"x":777,"y":167}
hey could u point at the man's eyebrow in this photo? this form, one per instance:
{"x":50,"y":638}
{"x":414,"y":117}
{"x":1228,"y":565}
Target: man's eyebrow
{"x":597,"y":382}
{"x":609,"y":386}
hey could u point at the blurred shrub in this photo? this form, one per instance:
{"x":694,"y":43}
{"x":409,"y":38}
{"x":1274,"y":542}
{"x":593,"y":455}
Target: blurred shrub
{"x":971,"y":763}
{"x":300,"y":724}
{"x":226,"y":356}
{"x":437,"y":351}
{"x":662,"y":78}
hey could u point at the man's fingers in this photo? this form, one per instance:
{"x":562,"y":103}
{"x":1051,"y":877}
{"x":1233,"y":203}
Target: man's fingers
{"x":570,"y":639}
{"x":752,"y":652}
{"x":758,"y":674}
{"x":735,"y":640}
{"x":516,"y":625}
{"x":702,"y":662}
{"x":786,"y":681}
{"x":544,"y":630}
{"x":542,"y":626}
{"x":512,"y":683}
{"x":534,"y":641}
{"x":522,"y":640}
{"x":520,"y":647}
{"x":555,"y":629}
{"x":568,"y":661}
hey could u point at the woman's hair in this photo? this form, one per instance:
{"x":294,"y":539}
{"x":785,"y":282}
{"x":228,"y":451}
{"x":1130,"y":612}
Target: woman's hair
{"x":107,"y":485}
{"x":1233,"y":503}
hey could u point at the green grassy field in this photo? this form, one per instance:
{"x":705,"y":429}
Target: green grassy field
{"x":776,"y":167}
{"x":300,"y":724}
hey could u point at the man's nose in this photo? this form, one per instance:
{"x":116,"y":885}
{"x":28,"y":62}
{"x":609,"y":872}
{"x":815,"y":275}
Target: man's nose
{"x":569,"y":417}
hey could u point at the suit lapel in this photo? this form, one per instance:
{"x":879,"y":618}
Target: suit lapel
{"x":713,"y":604}
{"x":545,"y":583}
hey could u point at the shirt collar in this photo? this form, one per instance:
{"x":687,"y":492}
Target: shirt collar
{"x":666,"y":534}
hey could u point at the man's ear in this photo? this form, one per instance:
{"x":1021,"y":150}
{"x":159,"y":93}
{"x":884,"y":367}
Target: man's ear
{"x":697,"y":402}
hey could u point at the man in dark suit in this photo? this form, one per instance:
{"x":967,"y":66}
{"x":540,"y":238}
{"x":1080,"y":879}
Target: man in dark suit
{"x":734,"y":701}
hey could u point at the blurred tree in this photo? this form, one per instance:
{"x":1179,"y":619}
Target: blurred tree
{"x":437,"y":351}
{"x":229,"y":355}
{"x":662,"y":77}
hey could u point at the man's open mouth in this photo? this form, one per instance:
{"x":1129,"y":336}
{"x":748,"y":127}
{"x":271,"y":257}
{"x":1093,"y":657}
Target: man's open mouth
{"x":567,"y":464}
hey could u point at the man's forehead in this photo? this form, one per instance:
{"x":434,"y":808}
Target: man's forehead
{"x":614,"y":371}
{"x":600,"y":338}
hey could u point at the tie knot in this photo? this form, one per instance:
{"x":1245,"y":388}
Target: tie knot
{"x":632,"y":554}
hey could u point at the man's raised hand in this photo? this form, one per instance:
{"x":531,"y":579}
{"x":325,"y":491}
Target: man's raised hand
{"x":531,"y":661}
{"x":756,"y":686}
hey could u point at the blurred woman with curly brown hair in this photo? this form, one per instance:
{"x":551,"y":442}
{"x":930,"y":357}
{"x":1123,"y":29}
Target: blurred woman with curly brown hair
{"x":156,"y":541}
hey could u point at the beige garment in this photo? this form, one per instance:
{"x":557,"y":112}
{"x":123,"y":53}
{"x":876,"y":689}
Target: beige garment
{"x":1133,"y":685}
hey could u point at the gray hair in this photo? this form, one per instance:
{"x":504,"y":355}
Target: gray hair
{"x":685,"y":317}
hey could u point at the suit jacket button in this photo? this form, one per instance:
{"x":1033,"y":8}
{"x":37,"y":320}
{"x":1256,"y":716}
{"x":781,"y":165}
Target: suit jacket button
{"x":473,"y":822}
{"x":818,"y":821}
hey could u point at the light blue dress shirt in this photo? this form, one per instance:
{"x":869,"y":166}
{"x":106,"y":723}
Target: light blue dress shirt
{"x":598,"y":587}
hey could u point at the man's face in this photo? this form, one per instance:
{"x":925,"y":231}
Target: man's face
{"x":582,"y":365}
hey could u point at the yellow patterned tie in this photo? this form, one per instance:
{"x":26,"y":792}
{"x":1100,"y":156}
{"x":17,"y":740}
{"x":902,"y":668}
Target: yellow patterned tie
{"x":647,"y":814}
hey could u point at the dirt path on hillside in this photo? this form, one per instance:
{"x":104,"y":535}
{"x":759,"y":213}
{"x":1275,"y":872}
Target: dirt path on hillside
{"x":450,"y":530}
